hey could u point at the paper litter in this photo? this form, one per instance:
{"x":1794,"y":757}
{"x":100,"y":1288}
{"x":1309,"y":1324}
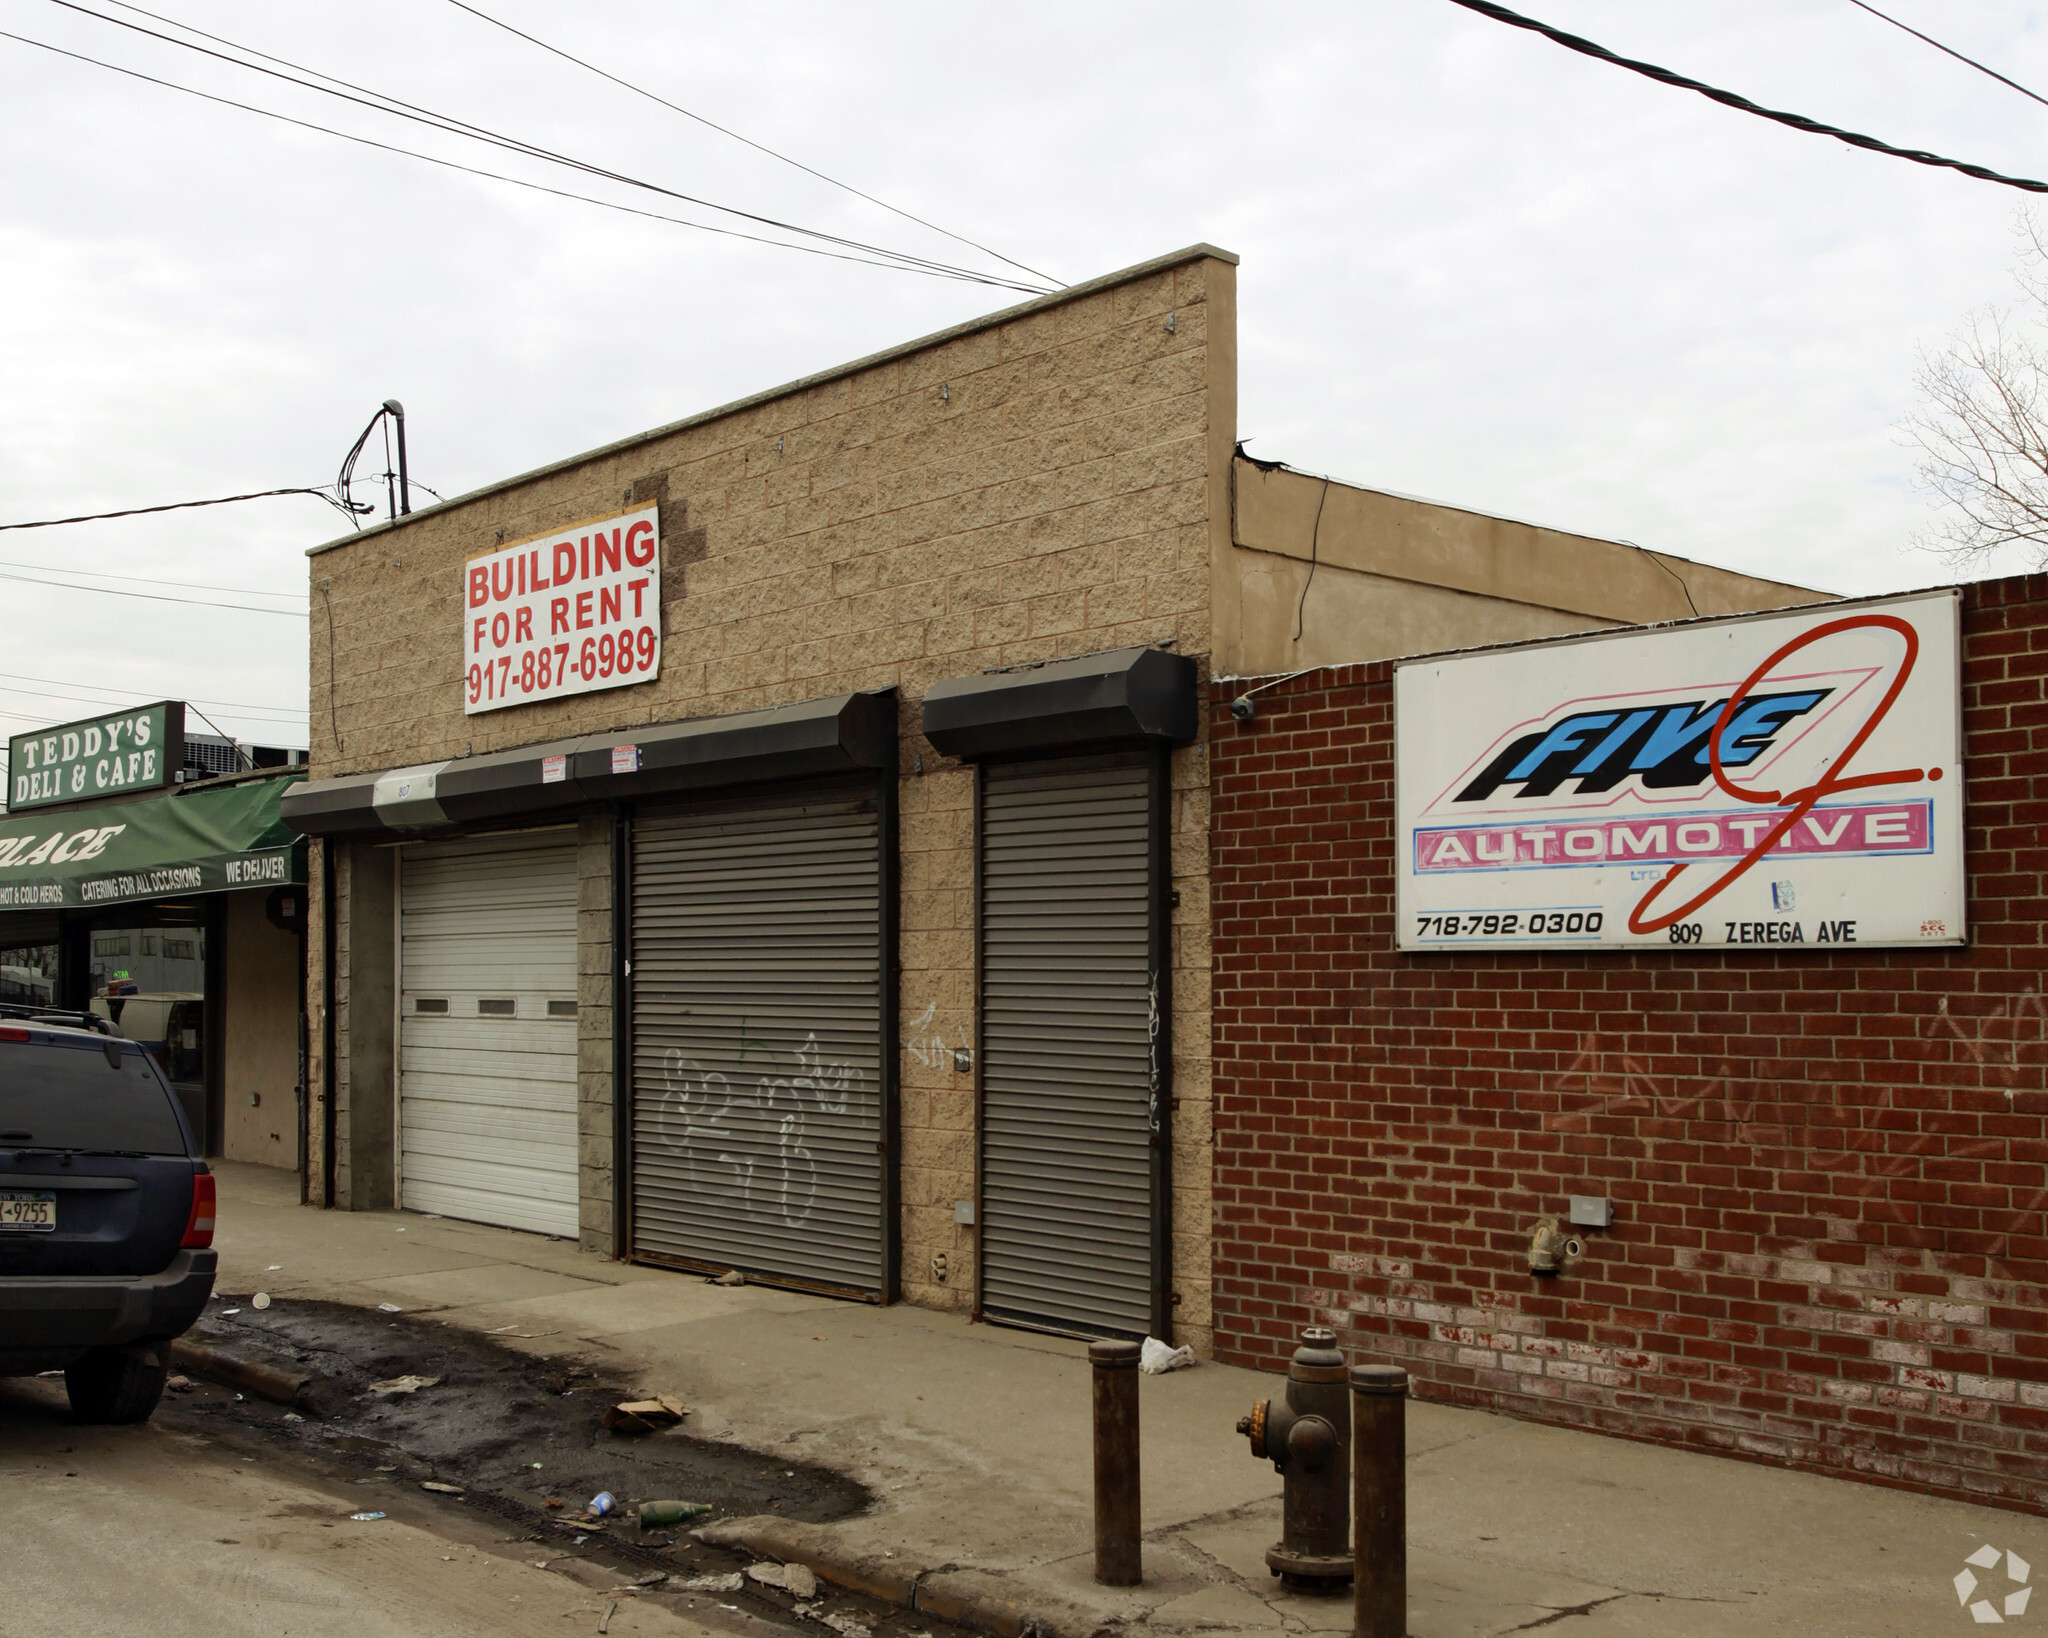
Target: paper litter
{"x":1155,"y":1358}
{"x":403,"y":1384}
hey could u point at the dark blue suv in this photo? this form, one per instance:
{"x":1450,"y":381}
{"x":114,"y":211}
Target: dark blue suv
{"x":106,"y":1213}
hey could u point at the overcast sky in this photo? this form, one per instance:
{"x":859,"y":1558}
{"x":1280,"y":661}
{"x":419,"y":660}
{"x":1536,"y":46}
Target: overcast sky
{"x":1477,"y":267}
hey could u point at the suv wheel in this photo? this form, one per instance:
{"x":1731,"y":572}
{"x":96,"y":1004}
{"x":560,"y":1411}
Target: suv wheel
{"x":115,"y":1385}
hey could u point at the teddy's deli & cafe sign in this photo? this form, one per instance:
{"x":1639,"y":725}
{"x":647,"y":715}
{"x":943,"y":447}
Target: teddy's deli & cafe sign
{"x":133,"y":750}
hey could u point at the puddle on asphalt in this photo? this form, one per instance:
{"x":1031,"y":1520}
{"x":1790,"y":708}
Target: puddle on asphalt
{"x":520,"y":1429}
{"x":491,"y":1416}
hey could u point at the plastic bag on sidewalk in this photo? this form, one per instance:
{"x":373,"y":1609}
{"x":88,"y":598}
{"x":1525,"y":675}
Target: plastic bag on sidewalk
{"x":1156,"y":1359}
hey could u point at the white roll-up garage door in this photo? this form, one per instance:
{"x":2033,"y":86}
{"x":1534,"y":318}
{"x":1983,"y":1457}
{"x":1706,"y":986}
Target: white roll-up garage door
{"x":487,"y":1030}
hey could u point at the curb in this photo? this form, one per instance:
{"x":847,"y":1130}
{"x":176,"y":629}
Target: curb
{"x":198,"y":1357}
{"x":974,"y":1598}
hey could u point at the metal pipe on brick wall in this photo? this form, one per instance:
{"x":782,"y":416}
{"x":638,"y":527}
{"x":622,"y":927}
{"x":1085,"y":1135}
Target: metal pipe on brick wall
{"x":1379,"y":1507}
{"x":1114,"y":1367}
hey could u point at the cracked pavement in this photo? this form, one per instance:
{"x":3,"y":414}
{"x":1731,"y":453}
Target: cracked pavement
{"x":974,"y":1442}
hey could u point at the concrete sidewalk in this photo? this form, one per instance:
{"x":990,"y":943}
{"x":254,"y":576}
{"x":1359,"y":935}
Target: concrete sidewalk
{"x":976,"y":1442}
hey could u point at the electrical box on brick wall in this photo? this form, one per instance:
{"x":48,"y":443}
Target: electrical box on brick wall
{"x":1790,"y":781}
{"x":1592,"y":1211}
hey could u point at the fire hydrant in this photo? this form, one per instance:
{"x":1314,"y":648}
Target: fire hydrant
{"x":1308,"y":1439}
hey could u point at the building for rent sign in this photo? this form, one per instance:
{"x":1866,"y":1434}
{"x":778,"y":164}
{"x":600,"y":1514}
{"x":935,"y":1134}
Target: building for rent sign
{"x":565,"y":613}
{"x":1778,"y":779}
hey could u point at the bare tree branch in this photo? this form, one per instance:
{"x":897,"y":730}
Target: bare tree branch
{"x":1982,"y":428}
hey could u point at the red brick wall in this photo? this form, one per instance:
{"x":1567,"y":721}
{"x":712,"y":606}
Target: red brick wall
{"x":1830,"y":1170}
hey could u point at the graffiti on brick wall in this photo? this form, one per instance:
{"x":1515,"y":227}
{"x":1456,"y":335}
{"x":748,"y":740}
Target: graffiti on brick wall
{"x":1599,"y":1080}
{"x":1832,"y":1242}
{"x":1998,"y":1039}
{"x":2006,"y":1041}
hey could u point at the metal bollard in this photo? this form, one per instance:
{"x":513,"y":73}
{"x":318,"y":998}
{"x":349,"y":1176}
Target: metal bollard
{"x":1115,"y":1370}
{"x":1379,"y":1506}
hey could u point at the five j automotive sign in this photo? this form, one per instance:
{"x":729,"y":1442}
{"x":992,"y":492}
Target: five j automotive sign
{"x":566,"y":613}
{"x":1774,"y":780}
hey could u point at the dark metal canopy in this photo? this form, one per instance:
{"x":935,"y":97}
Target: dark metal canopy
{"x":1129,"y":696}
{"x":842,"y":733}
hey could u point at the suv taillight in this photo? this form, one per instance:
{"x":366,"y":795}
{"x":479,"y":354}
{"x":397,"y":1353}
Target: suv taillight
{"x":199,"y":1226}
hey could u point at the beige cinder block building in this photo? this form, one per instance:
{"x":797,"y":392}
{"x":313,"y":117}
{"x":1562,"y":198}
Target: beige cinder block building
{"x":779,"y":840}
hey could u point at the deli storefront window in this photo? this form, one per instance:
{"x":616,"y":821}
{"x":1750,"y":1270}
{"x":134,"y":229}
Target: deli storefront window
{"x":178,"y":919}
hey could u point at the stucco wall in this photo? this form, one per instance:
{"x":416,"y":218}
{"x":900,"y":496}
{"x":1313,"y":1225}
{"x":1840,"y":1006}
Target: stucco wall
{"x":261,"y":1056}
{"x":1043,"y":484}
{"x":1365,"y":575}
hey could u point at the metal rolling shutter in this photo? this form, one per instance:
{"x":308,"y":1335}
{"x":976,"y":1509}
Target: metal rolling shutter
{"x":1066,"y":937}
{"x":487,"y":1071}
{"x":757,"y":997}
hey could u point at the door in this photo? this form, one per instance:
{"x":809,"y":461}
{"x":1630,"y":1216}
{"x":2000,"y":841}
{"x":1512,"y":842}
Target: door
{"x":487,"y":1030}
{"x":151,"y":981}
{"x":761,"y":1038}
{"x":1071,"y":1166}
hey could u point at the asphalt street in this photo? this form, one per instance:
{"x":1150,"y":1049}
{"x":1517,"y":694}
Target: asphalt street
{"x":181,"y":1531}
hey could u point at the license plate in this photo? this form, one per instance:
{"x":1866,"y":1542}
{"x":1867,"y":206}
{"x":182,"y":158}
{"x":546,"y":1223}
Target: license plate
{"x":33,"y":1213}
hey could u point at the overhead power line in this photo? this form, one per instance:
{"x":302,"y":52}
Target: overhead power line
{"x":495,"y":176}
{"x":261,"y":722}
{"x":174,"y":506}
{"x":260,"y":718}
{"x":1798,"y":122}
{"x":146,"y":580}
{"x":383,"y":103}
{"x":726,"y":130}
{"x":1938,"y":46}
{"x":155,"y":597}
{"x":113,"y":688}
{"x":399,"y":108}
{"x":22,"y":716}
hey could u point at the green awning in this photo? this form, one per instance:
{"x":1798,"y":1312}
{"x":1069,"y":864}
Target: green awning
{"x":205,"y":840}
